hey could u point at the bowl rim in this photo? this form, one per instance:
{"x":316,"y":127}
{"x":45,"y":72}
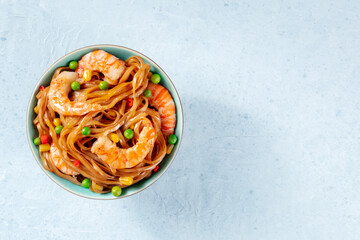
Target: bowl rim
{"x":99,"y":46}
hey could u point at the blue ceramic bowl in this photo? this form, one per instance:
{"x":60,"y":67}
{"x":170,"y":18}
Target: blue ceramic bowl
{"x":122,"y":53}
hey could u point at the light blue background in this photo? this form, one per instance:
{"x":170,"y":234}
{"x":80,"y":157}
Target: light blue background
{"x":270,"y":91}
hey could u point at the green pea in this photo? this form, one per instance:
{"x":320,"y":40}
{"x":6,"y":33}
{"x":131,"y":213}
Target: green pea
{"x":103,"y":85}
{"x":75,"y":86}
{"x":73,"y":65}
{"x":116,"y":191}
{"x":172,"y":139}
{"x":37,"y":141}
{"x":86,"y":183}
{"x":85,"y":131}
{"x":147,"y":93}
{"x":129,"y":133}
{"x":58,"y":129}
{"x":155,"y":78}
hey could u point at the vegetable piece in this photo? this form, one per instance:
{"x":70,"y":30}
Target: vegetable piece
{"x":86,"y":183}
{"x":147,"y":93}
{"x":126,"y":180}
{"x":37,"y":141}
{"x":77,"y":163}
{"x":103,"y":85}
{"x":87,"y":75}
{"x":129,"y":102}
{"x":45,"y":139}
{"x":36,"y":110}
{"x":85,"y":131}
{"x":114,"y":137}
{"x":44,"y":147}
{"x":57,"y":121}
{"x":129,"y":134}
{"x":172,"y":139}
{"x":58,"y":129}
{"x":73,"y":65}
{"x":169,"y":149}
{"x":155,"y":78}
{"x":98,"y":187}
{"x":116,"y":191}
{"x":75,"y":86}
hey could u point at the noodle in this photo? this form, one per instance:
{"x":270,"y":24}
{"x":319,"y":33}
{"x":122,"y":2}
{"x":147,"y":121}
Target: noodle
{"x":115,"y":117}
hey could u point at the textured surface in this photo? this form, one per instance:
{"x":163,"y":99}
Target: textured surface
{"x":271,"y":101}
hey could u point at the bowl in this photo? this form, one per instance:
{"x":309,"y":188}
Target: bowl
{"x":122,"y":53}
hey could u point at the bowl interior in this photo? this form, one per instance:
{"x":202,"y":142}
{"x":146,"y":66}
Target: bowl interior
{"x":122,"y":53}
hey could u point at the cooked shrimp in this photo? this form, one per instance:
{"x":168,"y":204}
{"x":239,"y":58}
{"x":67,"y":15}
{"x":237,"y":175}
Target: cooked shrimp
{"x":103,"y":62}
{"x":59,"y":163}
{"x":161,"y":99}
{"x":59,"y":100}
{"x":119,"y":158}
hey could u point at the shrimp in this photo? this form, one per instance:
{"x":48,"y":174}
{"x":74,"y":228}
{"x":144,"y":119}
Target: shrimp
{"x":119,"y":158}
{"x":59,"y":163}
{"x":161,"y":99}
{"x":103,"y":62}
{"x":59,"y":100}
